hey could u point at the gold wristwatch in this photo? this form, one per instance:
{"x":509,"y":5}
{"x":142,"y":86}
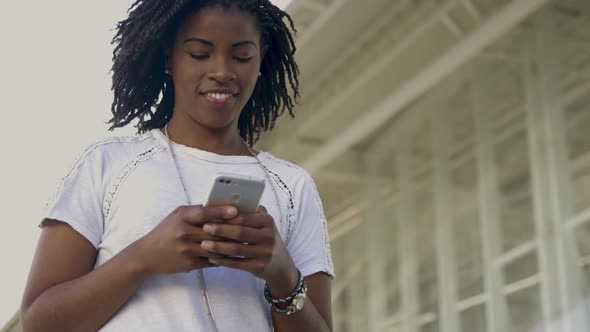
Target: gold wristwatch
{"x":296,"y":304}
{"x":296,"y":300}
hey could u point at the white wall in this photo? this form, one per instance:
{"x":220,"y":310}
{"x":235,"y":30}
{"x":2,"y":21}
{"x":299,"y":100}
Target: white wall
{"x":55,"y":97}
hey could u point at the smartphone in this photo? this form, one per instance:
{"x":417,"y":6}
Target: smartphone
{"x":242,"y":191}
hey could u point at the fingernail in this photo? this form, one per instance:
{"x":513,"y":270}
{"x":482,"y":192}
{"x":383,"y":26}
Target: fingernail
{"x":230,"y":211}
{"x":207,"y":245}
{"x":213,"y":261}
{"x":208,"y":228}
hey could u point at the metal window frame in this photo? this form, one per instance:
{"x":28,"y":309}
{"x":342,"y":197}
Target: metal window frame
{"x":445,"y":258}
{"x":552,"y":192}
{"x":496,"y":308}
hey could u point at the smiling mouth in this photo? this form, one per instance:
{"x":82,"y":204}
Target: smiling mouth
{"x":216,"y":96}
{"x":218,"y":99}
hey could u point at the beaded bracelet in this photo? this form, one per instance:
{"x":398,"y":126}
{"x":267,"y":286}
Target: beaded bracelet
{"x":287,"y":299}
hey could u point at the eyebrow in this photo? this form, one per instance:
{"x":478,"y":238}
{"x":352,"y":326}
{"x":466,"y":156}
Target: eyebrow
{"x":209,"y":43}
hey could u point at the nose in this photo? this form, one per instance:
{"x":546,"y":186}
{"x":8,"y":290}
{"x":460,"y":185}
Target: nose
{"x":220,"y":71}
{"x":222,"y":76}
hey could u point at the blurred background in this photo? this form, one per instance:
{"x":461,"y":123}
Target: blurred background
{"x":450,"y":141}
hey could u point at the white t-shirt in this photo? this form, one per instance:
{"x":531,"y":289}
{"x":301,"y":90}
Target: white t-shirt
{"x":122,"y":187}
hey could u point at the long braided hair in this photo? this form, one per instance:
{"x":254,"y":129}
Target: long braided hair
{"x":142,"y":90}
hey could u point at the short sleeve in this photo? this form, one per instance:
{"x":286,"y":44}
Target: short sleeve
{"x":78,"y":200}
{"x":309,"y":245}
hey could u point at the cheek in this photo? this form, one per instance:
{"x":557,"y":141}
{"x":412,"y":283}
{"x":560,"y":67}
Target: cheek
{"x":188,"y":74}
{"x":248,"y":89}
{"x":251,"y":77}
{"x":252,"y":83}
{"x":187,"y":83}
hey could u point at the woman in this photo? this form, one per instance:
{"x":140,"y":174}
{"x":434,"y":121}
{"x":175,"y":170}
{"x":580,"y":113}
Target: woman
{"x":127,"y":244}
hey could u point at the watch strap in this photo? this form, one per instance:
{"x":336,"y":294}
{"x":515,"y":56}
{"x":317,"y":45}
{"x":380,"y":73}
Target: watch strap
{"x":287,"y":299}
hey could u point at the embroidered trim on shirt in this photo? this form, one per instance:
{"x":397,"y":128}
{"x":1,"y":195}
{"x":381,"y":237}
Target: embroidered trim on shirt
{"x":324,"y":221}
{"x":82,"y":156}
{"x":124,"y":173}
{"x":291,"y":206}
{"x":288,"y":164}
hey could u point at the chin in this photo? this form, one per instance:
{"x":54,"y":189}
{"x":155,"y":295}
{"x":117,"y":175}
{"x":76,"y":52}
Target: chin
{"x":218,"y":119}
{"x":216,"y":122}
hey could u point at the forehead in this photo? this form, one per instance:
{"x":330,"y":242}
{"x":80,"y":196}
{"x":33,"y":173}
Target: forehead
{"x":219,"y":24}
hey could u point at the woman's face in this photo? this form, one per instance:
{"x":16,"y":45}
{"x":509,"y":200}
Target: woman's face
{"x":214,"y":64}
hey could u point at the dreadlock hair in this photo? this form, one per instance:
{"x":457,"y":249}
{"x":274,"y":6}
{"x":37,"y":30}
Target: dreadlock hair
{"x":140,"y":84}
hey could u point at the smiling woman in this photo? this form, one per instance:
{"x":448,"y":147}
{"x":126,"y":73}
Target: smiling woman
{"x":240,"y":35}
{"x":126,"y":242}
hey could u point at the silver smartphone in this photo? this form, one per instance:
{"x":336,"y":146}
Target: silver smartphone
{"x":243,"y":192}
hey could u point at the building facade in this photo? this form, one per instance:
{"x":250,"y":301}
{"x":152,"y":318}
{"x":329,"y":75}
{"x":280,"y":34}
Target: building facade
{"x":450,"y":141}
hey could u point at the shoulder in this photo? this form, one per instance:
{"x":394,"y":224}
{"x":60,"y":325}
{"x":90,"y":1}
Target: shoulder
{"x":115,"y":145}
{"x":99,"y":164}
{"x":293,"y":174}
{"x":108,"y":153}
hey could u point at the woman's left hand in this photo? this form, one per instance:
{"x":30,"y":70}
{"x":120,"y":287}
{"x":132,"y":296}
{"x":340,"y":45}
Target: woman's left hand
{"x":254,"y":245}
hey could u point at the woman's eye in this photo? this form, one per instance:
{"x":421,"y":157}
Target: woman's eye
{"x":199,"y":56}
{"x":205,"y":56}
{"x":244,"y":59}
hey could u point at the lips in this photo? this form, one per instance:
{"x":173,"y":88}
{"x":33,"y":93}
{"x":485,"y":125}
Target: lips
{"x":222,"y":91}
{"x":219,"y":98}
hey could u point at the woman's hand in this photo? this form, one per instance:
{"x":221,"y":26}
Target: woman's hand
{"x":251,"y":242}
{"x":175,"y":244}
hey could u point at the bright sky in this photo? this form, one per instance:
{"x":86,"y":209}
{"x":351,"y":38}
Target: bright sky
{"x":55,"y":95}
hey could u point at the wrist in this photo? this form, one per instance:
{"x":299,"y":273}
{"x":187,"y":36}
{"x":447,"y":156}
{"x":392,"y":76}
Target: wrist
{"x":136,"y":262}
{"x":284,"y":282}
{"x":290,"y":304}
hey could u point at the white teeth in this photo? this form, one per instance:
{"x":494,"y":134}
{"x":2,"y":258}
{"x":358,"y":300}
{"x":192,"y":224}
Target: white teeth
{"x":220,"y":96}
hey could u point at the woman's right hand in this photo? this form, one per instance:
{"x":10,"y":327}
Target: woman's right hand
{"x":175,"y":244}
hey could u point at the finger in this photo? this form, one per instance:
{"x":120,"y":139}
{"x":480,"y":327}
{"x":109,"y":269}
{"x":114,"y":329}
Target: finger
{"x":254,"y":220}
{"x":262,"y":209}
{"x":240,"y":233}
{"x":237,"y":249}
{"x":198,"y":214}
{"x":197,"y":251}
{"x":207,"y":254}
{"x":245,"y":264}
{"x":201,"y":263}
{"x":196,"y":234}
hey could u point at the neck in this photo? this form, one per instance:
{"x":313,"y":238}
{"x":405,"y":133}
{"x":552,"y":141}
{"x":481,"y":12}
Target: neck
{"x":219,"y":141}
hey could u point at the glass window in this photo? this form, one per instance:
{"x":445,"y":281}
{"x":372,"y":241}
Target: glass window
{"x":391,"y":256}
{"x":582,"y":235}
{"x":426,"y":250}
{"x":521,"y":268}
{"x":578,"y":121}
{"x":466,"y":230}
{"x":473,"y":319}
{"x":516,"y":214}
{"x":429,"y":327}
{"x":524,"y":310}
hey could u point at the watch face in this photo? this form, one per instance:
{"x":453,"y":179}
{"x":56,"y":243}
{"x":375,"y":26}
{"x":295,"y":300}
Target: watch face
{"x":299,"y":301}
